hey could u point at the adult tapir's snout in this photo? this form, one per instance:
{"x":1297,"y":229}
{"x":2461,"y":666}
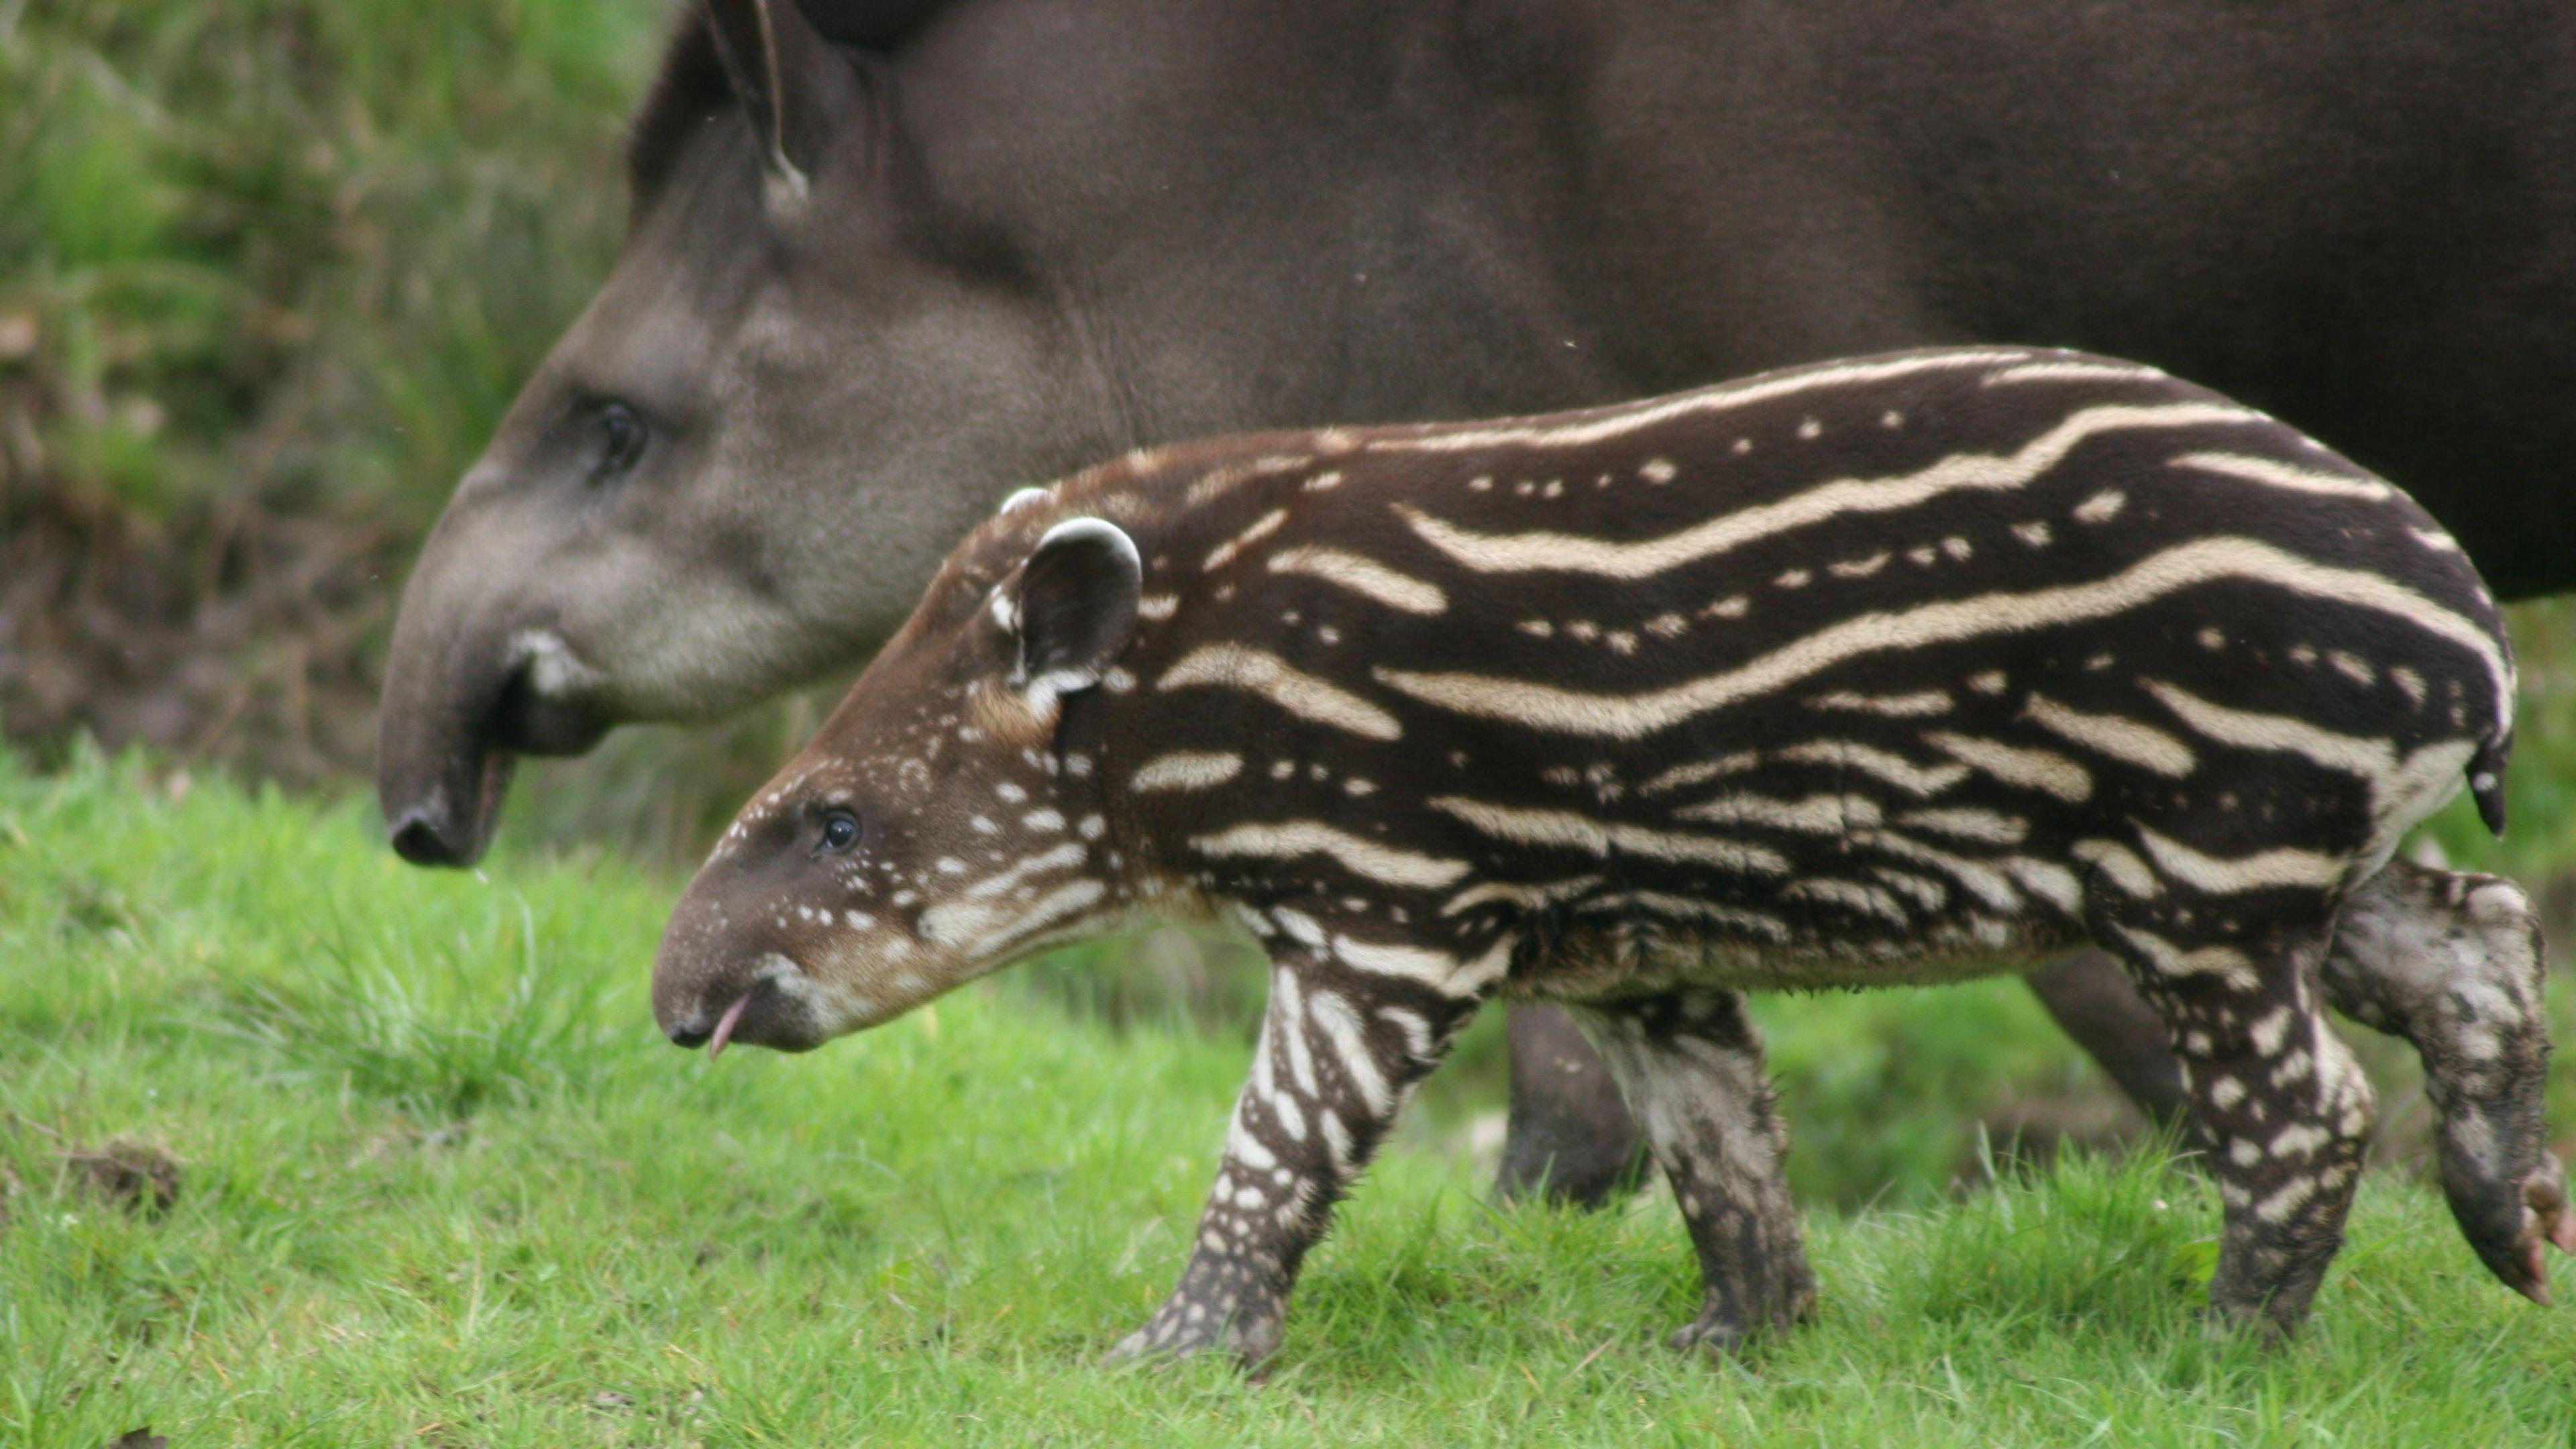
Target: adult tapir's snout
{"x":477,"y":676}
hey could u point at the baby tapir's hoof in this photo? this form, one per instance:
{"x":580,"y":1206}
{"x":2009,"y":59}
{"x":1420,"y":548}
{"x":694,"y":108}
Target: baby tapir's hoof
{"x":1186,"y":1329}
{"x":2522,"y":1262}
{"x":1726,"y":1330}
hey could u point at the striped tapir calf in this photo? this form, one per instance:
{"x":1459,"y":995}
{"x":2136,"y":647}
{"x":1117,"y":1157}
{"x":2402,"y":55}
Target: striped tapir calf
{"x":1877,"y":672}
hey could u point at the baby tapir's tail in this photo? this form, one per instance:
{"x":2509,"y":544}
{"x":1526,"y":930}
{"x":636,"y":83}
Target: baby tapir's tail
{"x":2486,"y":779}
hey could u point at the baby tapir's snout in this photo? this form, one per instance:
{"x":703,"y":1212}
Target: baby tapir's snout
{"x":727,"y":971}
{"x":733,"y":957}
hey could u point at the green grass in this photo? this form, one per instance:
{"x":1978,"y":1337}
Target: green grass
{"x":444,"y":1185}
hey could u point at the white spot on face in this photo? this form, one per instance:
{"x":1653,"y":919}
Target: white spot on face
{"x":1793,"y":579}
{"x":2034,"y":533}
{"x":1810,"y":429}
{"x":1657,"y":470}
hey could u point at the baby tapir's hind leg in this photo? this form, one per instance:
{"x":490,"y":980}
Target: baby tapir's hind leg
{"x":1690,"y":1065}
{"x":2277,"y":1097}
{"x":1350,"y":1028}
{"x":2452,"y":962}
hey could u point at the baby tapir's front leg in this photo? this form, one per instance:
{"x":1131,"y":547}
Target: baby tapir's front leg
{"x":1351,"y":1026}
{"x":1690,"y":1065}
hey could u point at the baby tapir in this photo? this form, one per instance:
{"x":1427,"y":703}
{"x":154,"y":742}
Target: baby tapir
{"x":1892,"y":670}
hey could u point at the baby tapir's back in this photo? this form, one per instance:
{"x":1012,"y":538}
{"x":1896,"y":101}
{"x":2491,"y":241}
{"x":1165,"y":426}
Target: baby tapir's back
{"x":1886,"y":660}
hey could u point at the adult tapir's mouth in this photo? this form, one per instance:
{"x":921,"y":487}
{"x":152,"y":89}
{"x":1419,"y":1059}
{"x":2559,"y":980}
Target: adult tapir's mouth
{"x":444,"y":762}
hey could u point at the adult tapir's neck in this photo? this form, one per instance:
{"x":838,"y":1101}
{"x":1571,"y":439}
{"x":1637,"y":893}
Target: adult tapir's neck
{"x":1333,"y":213}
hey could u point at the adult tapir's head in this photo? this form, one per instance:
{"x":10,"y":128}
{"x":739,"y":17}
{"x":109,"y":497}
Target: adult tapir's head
{"x":937,"y":826}
{"x":889,"y":259}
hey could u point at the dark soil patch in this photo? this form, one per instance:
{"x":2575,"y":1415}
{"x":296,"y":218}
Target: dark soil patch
{"x":126,"y":1174}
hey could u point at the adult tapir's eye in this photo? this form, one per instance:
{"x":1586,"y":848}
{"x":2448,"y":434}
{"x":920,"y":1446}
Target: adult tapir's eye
{"x":840,"y":832}
{"x":620,"y":441}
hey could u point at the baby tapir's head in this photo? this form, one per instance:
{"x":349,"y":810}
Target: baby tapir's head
{"x":933,"y":829}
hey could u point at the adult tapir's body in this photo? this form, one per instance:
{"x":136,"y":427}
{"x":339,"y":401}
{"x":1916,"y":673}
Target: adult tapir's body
{"x":978,"y":243}
{"x":1861,"y":674}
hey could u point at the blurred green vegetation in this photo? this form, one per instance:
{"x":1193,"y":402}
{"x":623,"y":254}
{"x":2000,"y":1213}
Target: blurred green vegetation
{"x":270,"y":273}
{"x":295,"y":245}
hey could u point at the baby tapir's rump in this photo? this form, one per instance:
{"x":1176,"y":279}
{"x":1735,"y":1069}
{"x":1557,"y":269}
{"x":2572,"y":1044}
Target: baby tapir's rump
{"x":1907,"y":657}
{"x":1858,"y":674}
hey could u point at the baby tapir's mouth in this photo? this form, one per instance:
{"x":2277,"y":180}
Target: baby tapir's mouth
{"x":762,"y":1016}
{"x":725,"y":1025}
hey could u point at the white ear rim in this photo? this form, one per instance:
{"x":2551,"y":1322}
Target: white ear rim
{"x":1022,"y":499}
{"x":1087,"y":527}
{"x":1043,"y":691}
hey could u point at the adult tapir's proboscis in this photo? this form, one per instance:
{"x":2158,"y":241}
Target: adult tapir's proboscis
{"x":890,"y":260}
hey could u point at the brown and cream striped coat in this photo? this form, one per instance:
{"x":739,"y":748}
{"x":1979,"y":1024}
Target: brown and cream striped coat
{"x":1890,"y":670}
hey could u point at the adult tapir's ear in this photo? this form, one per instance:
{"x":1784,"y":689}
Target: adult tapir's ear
{"x":789,"y":80}
{"x":1072,"y":606}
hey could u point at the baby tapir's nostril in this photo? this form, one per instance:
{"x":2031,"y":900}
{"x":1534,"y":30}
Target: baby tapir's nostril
{"x":692,"y":1033}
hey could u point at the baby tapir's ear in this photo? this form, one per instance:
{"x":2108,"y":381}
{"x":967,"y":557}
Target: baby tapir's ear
{"x":1072,"y":607}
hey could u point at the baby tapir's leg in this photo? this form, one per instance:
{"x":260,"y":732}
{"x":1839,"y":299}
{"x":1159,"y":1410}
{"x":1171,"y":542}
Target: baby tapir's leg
{"x":1350,"y":1028}
{"x":2452,"y":962}
{"x":2277,"y":1096}
{"x":1690,"y":1064}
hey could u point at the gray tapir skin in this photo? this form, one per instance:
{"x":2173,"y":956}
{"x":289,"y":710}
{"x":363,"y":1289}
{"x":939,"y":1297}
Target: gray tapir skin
{"x":891,"y":260}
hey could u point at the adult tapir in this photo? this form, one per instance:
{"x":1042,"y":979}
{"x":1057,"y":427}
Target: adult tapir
{"x":890,"y":259}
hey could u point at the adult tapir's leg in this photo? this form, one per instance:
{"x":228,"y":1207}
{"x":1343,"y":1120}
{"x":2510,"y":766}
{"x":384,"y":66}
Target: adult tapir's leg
{"x":2096,"y":1005}
{"x":1571,"y":1139}
{"x":1350,"y":1028}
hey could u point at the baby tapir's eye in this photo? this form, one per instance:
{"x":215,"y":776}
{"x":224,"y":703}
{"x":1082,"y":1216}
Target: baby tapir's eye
{"x":840,"y":832}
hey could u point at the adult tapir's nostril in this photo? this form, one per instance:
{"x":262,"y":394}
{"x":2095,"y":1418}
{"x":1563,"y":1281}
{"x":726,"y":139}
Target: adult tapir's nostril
{"x":426,"y":834}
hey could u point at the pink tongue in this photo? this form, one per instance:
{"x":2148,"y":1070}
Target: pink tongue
{"x":724,"y":1027}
